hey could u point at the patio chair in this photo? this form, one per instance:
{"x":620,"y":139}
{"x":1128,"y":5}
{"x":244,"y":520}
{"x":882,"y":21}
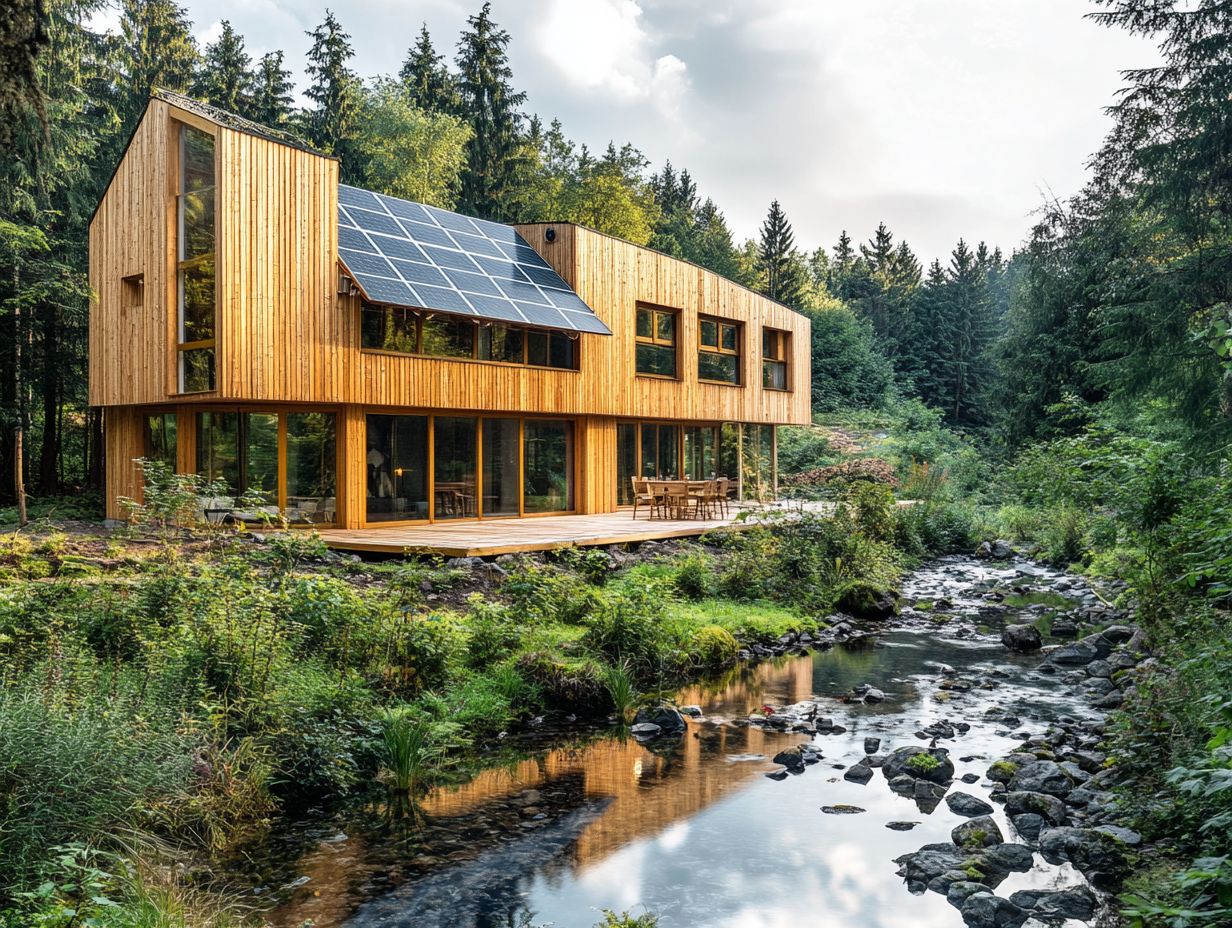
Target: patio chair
{"x":642,"y":495}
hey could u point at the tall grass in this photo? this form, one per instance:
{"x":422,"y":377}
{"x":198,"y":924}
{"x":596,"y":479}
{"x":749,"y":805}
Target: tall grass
{"x":408,"y":755}
{"x":619,"y":682}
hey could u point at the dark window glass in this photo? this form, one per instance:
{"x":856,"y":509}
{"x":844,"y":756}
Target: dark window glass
{"x":774,"y":375}
{"x":501,"y":486}
{"x":721,"y":367}
{"x":656,"y":359}
{"x":197,"y":370}
{"x":260,"y":448}
{"x":454,"y":458}
{"x":537,"y":347}
{"x":196,"y":223}
{"x":645,"y":323}
{"x":449,"y":337}
{"x":548,"y":466}
{"x":160,"y":438}
{"x":501,"y":343}
{"x":197,"y":300}
{"x":561,"y":350}
{"x":389,"y":329}
{"x":728,"y":338}
{"x":626,"y":461}
{"x":397,"y":468}
{"x":710,"y":333}
{"x":665,"y":327}
{"x":312,"y":464}
{"x":218,"y":448}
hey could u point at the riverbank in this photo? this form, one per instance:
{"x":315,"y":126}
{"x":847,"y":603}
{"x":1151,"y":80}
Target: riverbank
{"x":231,"y":681}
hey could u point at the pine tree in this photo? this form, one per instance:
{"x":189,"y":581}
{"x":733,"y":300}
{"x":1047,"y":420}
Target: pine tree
{"x":271,"y":92}
{"x":927,"y":313}
{"x":495,"y":154}
{"x":966,"y":329}
{"x":155,"y":49}
{"x":23,"y":34}
{"x":225,"y":78}
{"x":781,"y":268}
{"x":335,"y":93}
{"x":426,"y":78}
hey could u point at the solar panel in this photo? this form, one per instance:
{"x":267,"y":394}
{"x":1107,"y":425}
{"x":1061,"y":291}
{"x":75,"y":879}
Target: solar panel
{"x":408,"y":254}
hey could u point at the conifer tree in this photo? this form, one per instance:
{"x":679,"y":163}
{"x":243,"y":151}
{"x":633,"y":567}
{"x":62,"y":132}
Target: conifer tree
{"x":496,"y":155}
{"x":225,"y":78}
{"x":781,"y":269}
{"x":271,"y":92}
{"x":155,"y":49}
{"x":23,"y":33}
{"x":427,"y":80}
{"x":335,"y":92}
{"x":966,"y":331}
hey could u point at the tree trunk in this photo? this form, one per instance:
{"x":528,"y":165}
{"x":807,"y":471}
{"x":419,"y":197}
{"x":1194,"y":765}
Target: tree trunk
{"x":49,"y":453}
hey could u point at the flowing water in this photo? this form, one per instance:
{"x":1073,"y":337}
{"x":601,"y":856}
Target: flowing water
{"x":691,"y":828}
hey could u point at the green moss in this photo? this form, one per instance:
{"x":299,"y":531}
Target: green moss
{"x":923,"y":763}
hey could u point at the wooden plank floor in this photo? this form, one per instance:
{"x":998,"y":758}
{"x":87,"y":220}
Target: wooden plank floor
{"x":508,"y":536}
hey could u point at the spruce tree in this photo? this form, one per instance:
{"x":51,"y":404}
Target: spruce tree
{"x":427,"y":80}
{"x":780,"y":267}
{"x":271,"y":92}
{"x":495,"y":153}
{"x":967,"y":333}
{"x":155,"y":49}
{"x":225,"y":79}
{"x":23,"y":33}
{"x":335,"y":92}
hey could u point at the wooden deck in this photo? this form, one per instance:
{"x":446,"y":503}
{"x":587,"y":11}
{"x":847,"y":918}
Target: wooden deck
{"x":511,"y":536}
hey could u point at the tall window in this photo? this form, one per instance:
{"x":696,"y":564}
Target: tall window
{"x":196,"y":298}
{"x":718,"y":350}
{"x":775,"y":344}
{"x":656,"y":341}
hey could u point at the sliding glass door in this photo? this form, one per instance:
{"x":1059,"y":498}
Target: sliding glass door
{"x":441,"y":468}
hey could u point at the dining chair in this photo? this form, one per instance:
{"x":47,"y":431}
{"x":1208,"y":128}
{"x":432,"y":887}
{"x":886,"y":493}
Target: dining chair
{"x":642,"y":495}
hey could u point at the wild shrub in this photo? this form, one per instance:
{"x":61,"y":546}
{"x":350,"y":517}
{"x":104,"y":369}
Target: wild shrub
{"x":693,"y":577}
{"x":494,"y":631}
{"x":621,"y":687}
{"x":1064,"y":534}
{"x":627,"y":626}
{"x":419,"y":650}
{"x":411,"y":748}
{"x":540,"y":594}
{"x":872,"y":507}
{"x":568,"y":684}
{"x":594,"y":564}
{"x":713,"y":646}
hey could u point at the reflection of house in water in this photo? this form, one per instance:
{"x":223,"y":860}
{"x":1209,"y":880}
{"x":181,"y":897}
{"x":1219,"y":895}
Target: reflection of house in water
{"x":631,"y":773}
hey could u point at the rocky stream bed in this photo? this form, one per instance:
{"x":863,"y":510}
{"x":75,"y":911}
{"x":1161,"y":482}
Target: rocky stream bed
{"x":936,"y":768}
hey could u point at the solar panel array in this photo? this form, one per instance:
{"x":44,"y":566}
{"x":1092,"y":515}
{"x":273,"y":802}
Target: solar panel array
{"x":407,"y":254}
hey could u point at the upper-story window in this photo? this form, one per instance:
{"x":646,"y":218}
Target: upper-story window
{"x":409,"y":331}
{"x":656,"y":341}
{"x":775,"y":350}
{"x":718,"y":350}
{"x":196,"y":296}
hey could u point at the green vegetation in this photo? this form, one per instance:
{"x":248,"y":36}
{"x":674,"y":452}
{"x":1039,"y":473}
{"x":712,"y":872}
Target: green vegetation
{"x":923,"y":763}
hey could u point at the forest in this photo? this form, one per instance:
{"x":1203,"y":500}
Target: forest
{"x":1071,"y":393}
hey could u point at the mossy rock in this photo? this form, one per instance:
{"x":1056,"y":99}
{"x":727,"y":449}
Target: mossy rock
{"x":568,"y":685}
{"x":866,"y":600}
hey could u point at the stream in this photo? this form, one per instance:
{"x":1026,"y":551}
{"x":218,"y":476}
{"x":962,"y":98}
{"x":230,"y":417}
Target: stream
{"x":692,"y":827}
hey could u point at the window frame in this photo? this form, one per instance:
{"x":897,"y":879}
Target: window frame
{"x":419,"y":316}
{"x":717,"y":348}
{"x":184,"y":265}
{"x":781,"y":359}
{"x":654,"y":340}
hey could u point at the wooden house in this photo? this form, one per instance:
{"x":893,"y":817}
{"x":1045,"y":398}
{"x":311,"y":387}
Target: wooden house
{"x":356,"y":360}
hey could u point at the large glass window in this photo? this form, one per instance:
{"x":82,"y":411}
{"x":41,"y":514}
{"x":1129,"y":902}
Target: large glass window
{"x":312,"y":467}
{"x":259,"y":446}
{"x":196,"y":287}
{"x":397,"y":468}
{"x":501,"y":463}
{"x":160,"y":438}
{"x":718,"y":350}
{"x":218,"y":448}
{"x":701,"y":452}
{"x":454,"y":459}
{"x":774,"y":353}
{"x":411,"y":331}
{"x":656,"y":341}
{"x":758,"y":459}
{"x":626,"y":462}
{"x":548,"y":469}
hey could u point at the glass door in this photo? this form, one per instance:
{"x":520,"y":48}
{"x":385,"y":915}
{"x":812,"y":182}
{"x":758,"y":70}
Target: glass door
{"x":501,"y":465}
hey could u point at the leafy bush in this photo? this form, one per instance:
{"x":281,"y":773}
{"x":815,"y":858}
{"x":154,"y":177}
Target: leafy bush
{"x":570,"y":685}
{"x":713,"y":646}
{"x":873,"y":507}
{"x":693,"y":577}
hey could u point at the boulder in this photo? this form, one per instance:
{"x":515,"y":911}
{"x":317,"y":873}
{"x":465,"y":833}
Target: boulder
{"x":936,"y":767}
{"x":957,"y":893}
{"x":866,"y":601}
{"x":667,"y":718}
{"x":984,"y":910}
{"x":1006,"y":858}
{"x":1091,"y":851}
{"x":1048,"y":807}
{"x":1022,"y":638}
{"x":858,"y":773}
{"x":1076,"y":902}
{"x":929,"y":862}
{"x":871,"y":745}
{"x":1029,"y":825}
{"x":643,"y":730}
{"x":1041,"y":776}
{"x":967,"y":805}
{"x":977,"y":833}
{"x":792,"y":758}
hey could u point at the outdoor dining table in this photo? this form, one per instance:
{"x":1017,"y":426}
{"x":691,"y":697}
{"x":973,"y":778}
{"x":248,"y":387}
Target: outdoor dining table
{"x":682,"y":499}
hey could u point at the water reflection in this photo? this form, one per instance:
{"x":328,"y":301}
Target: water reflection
{"x":690,"y":828}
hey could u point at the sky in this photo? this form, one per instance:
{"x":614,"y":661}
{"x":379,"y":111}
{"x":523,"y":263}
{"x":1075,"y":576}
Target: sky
{"x":942,"y":118}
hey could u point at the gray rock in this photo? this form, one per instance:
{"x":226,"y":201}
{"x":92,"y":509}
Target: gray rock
{"x":792,"y":758}
{"x":958,"y":892}
{"x":1076,"y":902}
{"x":977,"y":833}
{"x":1126,"y":836}
{"x":984,"y":910}
{"x":1004,"y":858}
{"x":872,"y":694}
{"x":666,"y":717}
{"x":929,"y":862}
{"x":1041,"y":776}
{"x":1021,"y":638}
{"x":1099,"y":668}
{"x":645,"y":730}
{"x":901,"y":826}
{"x":1029,"y":825}
{"x":871,"y":745}
{"x":970,"y":778}
{"x":900,"y":762}
{"x":1089,"y":850}
{"x":1049,"y":807}
{"x":1118,"y":634}
{"x":1077,"y":654}
{"x":859,"y":773}
{"x":967,"y":805}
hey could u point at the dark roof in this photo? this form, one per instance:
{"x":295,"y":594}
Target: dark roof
{"x":232,"y":121}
